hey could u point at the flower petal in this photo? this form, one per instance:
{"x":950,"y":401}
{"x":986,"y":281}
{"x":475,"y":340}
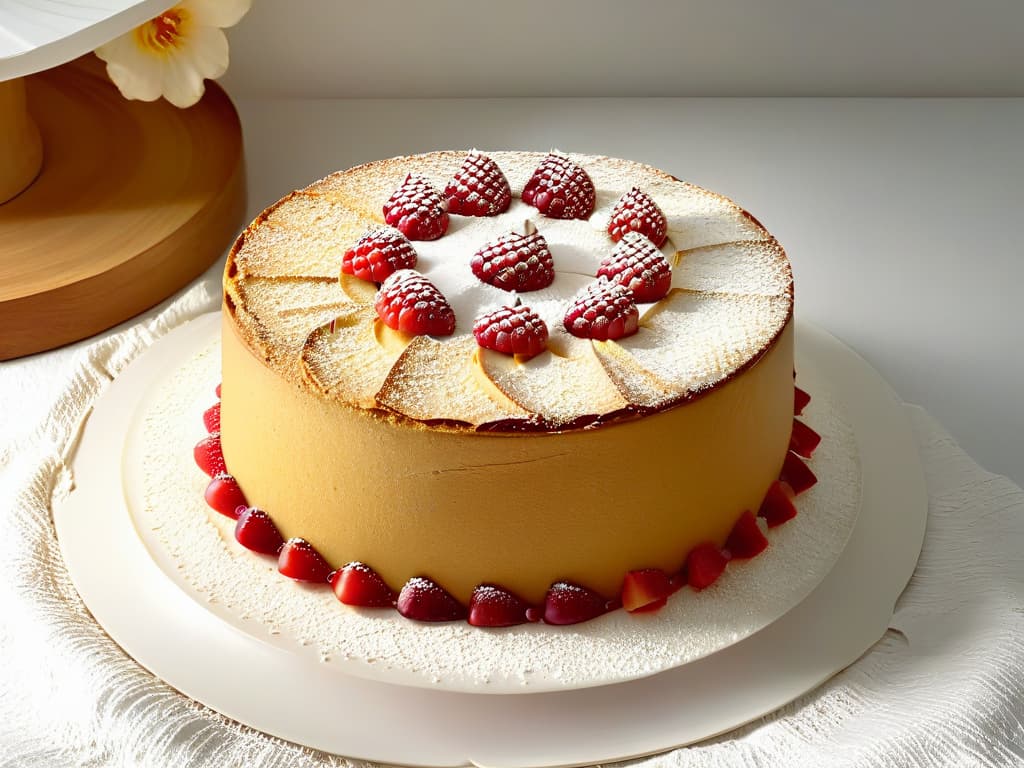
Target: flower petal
{"x":136,"y":74}
{"x":208,"y":48}
{"x":182,"y":84}
{"x":217,"y":13}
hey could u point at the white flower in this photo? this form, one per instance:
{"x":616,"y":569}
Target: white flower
{"x":172,"y":54}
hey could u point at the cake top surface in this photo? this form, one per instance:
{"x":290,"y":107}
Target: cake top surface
{"x":730,"y":295}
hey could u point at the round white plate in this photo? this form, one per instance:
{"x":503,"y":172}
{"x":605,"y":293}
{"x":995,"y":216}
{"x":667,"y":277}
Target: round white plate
{"x":282,"y":693}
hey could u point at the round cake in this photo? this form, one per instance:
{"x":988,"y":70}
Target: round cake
{"x":506,"y":370}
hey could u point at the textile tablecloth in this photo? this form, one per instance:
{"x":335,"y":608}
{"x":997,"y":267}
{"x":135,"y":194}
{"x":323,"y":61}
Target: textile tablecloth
{"x":944,"y":686}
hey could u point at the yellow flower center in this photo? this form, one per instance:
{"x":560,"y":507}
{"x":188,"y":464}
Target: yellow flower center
{"x":163,"y":33}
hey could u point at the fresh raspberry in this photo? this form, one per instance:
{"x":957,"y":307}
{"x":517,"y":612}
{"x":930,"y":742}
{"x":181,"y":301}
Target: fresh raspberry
{"x":377,"y":254}
{"x":512,"y":330}
{"x":515,"y":262}
{"x":560,"y":189}
{"x":424,"y":600}
{"x":359,"y":584}
{"x":417,"y":209}
{"x":479,"y":188}
{"x":636,"y":264}
{"x":256,"y":531}
{"x":493,"y":606}
{"x":636,"y":211}
{"x":602,"y":311}
{"x":409,"y":302}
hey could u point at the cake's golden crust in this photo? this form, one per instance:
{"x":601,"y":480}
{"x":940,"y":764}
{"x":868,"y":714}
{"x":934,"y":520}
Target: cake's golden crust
{"x":281,"y":289}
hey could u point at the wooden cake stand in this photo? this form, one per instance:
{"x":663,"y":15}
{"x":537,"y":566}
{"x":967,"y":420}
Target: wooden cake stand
{"x":107,"y":206}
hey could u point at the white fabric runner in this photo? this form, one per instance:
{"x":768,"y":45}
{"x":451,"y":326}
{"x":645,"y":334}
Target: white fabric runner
{"x":944,"y":686}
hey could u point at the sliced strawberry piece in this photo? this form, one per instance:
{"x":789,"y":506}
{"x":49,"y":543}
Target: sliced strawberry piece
{"x":256,"y":531}
{"x":637,"y":212}
{"x":494,"y":606}
{"x":778,"y":506}
{"x":515,"y":262}
{"x":602,"y":311}
{"x":377,"y":254}
{"x":217,"y":390}
{"x":568,"y":603}
{"x":417,"y":209}
{"x":800,"y":400}
{"x":224,"y":495}
{"x":211,"y":418}
{"x":637,"y":265}
{"x":299,"y":560}
{"x":645,"y":589}
{"x":560,"y":189}
{"x":796,"y":474}
{"x":358,"y":584}
{"x":803,"y":439}
{"x":409,"y":302}
{"x":704,"y":565}
{"x":209,"y":457}
{"x":513,"y":331}
{"x":746,"y":538}
{"x":423,"y":600}
{"x":479,"y":188}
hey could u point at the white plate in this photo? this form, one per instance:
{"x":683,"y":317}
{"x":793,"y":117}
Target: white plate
{"x":282,"y":693}
{"x":164,"y":491}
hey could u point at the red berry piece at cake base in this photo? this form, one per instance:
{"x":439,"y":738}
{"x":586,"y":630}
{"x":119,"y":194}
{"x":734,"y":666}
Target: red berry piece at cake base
{"x":639,"y":267}
{"x":417,"y":209}
{"x":796,"y":474}
{"x":423,"y":600}
{"x":513,"y":331}
{"x":493,"y":606}
{"x":479,"y":188}
{"x":299,"y":560}
{"x":746,"y":539}
{"x":209,"y":457}
{"x":568,"y":603}
{"x":515,"y":262}
{"x":800,"y":400}
{"x":409,"y":302}
{"x":358,"y":584}
{"x":637,"y":212}
{"x":560,"y":189}
{"x":377,"y":254}
{"x":602,"y":311}
{"x":803,"y":440}
{"x":704,"y":565}
{"x":646,"y":589}
{"x":211,"y":418}
{"x":224,"y":495}
{"x":778,"y":506}
{"x":256,"y":531}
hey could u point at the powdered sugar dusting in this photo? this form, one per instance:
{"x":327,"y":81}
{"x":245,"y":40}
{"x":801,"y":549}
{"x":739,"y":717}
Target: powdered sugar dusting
{"x":712,"y":244}
{"x":195,"y":548}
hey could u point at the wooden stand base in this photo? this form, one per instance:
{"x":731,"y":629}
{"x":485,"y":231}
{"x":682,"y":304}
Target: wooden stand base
{"x":21,"y":150}
{"x":133,"y":201}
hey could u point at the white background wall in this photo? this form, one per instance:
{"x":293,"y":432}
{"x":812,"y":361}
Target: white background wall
{"x":408,"y":48}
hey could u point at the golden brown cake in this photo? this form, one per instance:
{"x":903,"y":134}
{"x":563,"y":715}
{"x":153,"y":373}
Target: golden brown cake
{"x":426,"y":455}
